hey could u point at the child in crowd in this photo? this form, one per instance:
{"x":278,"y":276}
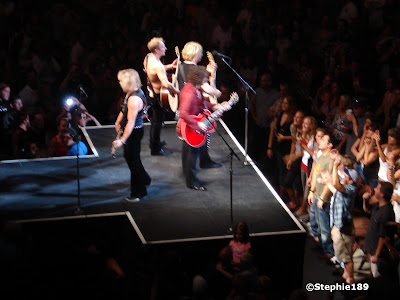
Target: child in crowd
{"x":240,"y":242}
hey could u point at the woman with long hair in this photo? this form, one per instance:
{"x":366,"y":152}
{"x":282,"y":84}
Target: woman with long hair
{"x":309,"y":145}
{"x":280,"y":140}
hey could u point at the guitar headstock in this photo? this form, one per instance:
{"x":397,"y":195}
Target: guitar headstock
{"x":178,"y":54}
{"x":210,"y":57}
{"x":234,"y":98}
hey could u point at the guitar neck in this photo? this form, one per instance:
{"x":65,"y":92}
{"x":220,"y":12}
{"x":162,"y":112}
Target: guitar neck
{"x":216,"y":114}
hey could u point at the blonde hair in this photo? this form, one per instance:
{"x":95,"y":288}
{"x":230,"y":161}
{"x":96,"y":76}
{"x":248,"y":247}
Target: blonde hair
{"x":348,"y":161}
{"x":130,"y":80}
{"x":154,"y":43}
{"x":191,"y":51}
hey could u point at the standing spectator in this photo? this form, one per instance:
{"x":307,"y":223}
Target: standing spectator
{"x":392,"y":111}
{"x":38,"y":127}
{"x":394,"y":178}
{"x":280,"y":140}
{"x":260,"y":103}
{"x":348,"y":12}
{"x":392,"y":146}
{"x":30,"y":92}
{"x":321,"y":195}
{"x":341,"y":220}
{"x":361,"y":113}
{"x":307,"y":141}
{"x":10,"y":117}
{"x":292,"y":181}
{"x":221,"y":37}
{"x":4,"y":108}
{"x":342,"y":123}
{"x":21,"y":138}
{"x":381,"y":211}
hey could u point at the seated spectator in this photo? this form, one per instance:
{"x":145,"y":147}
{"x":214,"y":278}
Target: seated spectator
{"x":240,"y":242}
{"x":75,"y":146}
{"x":56,"y":146}
{"x":222,"y":274}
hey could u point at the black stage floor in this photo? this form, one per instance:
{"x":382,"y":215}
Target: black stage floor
{"x":48,"y":188}
{"x":45,"y":190}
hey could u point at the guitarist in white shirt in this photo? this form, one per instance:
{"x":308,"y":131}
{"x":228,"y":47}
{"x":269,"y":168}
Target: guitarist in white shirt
{"x":191,"y":103}
{"x":157,"y":78}
{"x":192,"y":53}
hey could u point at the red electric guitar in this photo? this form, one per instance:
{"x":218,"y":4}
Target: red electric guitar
{"x":195,"y":137}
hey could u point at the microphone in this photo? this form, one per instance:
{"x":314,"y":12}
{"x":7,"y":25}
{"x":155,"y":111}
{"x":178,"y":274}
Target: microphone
{"x":216,"y":53}
{"x":83,"y":91}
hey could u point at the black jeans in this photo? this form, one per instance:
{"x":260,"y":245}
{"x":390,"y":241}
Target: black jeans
{"x":139,"y":176}
{"x":157,"y":119}
{"x":189,"y":161}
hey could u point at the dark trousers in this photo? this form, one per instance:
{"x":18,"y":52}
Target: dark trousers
{"x":157,"y":119}
{"x":139,"y":176}
{"x":189,"y":161}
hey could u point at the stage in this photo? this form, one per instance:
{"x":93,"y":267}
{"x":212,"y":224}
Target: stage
{"x":66,"y":197}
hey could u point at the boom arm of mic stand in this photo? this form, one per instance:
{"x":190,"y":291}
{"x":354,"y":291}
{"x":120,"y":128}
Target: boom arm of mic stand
{"x":248,"y":87}
{"x":240,"y":78}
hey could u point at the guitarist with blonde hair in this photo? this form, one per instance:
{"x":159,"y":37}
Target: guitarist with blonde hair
{"x":130,"y":121}
{"x":157,"y":78}
{"x":191,"y":103}
{"x":192,"y":53}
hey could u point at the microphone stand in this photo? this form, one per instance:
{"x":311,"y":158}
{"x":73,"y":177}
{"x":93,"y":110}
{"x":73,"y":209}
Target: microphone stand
{"x":231,"y":153}
{"x":78,"y":210}
{"x":246,"y":110}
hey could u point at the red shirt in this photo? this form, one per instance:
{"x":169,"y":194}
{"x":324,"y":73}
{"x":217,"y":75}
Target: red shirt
{"x":191,"y":102}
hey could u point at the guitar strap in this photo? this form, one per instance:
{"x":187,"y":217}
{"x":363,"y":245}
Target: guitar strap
{"x":183,"y":76}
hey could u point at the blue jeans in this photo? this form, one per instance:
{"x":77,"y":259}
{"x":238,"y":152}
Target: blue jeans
{"x":324,"y":229}
{"x":313,"y":221}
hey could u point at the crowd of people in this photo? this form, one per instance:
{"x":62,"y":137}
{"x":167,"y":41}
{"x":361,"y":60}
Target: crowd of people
{"x":326,"y":113}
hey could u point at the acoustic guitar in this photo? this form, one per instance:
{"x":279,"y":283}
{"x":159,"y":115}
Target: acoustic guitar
{"x":170,"y":102}
{"x":195,"y":137}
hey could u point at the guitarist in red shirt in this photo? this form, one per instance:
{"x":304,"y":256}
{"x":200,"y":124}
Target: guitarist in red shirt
{"x":191,"y":102}
{"x":192,"y":54}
